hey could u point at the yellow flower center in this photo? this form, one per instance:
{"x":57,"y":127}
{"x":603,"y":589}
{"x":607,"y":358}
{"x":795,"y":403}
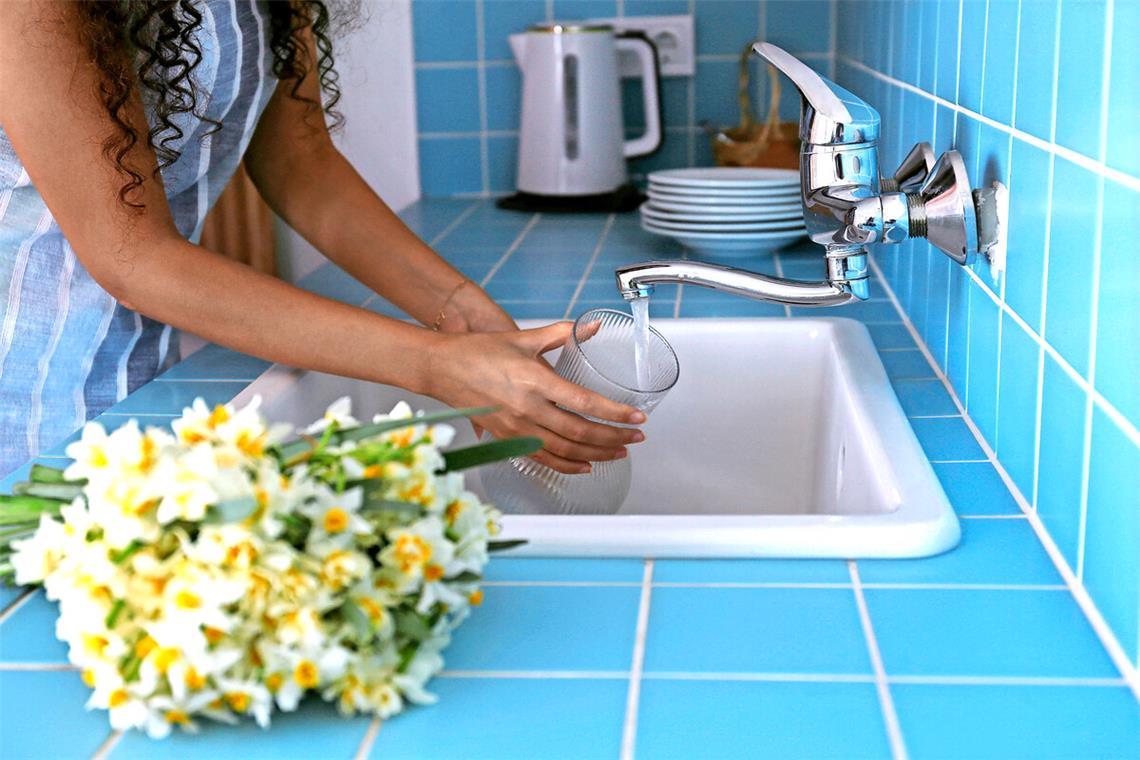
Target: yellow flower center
{"x":273,"y":682}
{"x":306,"y":674}
{"x":433,"y":572}
{"x":145,"y":646}
{"x":374,"y":471}
{"x":219,"y":416}
{"x":238,"y":701}
{"x":177,"y":716}
{"x":94,"y":644}
{"x":251,"y":445}
{"x":213,"y":635}
{"x":475,"y":598}
{"x":452,"y":512}
{"x":88,"y":676}
{"x":187,"y":600}
{"x":336,"y":520}
{"x":118,"y":698}
{"x":164,"y":658}
{"x":97,"y":458}
{"x":412,"y":552}
{"x":374,"y":611}
{"x":194,"y":679}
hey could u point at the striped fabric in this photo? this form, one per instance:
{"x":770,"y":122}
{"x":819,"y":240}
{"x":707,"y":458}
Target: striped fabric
{"x":67,"y":349}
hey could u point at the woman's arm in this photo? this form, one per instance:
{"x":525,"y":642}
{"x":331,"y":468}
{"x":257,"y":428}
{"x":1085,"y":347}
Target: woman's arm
{"x":57,"y":124}
{"x":313,"y":187}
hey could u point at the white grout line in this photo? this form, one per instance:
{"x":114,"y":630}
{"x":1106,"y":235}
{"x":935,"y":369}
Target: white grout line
{"x":1096,"y":620}
{"x":1091,"y":164}
{"x":510,"y":250}
{"x":599,"y":675}
{"x":1086,"y":444}
{"x":964,"y":586}
{"x":590,"y":265}
{"x":16,"y":604}
{"x":38,"y":667}
{"x":108,"y":746}
{"x":637,"y":661}
{"x":563,"y":584}
{"x":887,"y":705}
{"x":366,"y":743}
{"x":833,"y":38}
{"x":1086,"y":455}
{"x":672,"y":675}
{"x":749,"y":584}
{"x":481,"y":85}
{"x":458,"y":220}
{"x":1006,"y":681}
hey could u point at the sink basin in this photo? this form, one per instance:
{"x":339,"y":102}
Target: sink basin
{"x":782,"y":438}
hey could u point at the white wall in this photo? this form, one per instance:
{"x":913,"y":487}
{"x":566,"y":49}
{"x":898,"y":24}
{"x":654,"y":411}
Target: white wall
{"x":377,"y":83}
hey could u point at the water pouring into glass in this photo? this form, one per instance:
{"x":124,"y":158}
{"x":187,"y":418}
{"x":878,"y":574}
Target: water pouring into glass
{"x":615,"y":354}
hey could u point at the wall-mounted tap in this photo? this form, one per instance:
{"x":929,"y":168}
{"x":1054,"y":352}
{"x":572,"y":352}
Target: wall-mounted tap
{"x":847,"y":205}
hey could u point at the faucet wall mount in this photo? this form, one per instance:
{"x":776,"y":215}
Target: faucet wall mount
{"x":848,"y":205}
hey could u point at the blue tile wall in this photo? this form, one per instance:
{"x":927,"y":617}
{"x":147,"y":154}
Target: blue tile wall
{"x":1042,"y":95}
{"x":468,"y":86}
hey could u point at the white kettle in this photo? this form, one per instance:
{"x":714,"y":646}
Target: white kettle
{"x":571,"y":137}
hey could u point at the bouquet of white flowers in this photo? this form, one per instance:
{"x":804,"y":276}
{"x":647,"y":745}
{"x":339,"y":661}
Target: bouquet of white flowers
{"x":220,"y":572}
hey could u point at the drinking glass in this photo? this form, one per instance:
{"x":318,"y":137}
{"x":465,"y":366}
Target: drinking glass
{"x":599,"y":356}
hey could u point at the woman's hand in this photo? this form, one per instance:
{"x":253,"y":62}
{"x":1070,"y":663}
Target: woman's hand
{"x":504,"y":370}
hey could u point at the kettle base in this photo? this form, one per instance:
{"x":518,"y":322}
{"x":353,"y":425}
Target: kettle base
{"x":625,"y":198}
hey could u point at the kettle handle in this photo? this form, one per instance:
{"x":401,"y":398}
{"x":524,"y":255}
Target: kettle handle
{"x":646,"y":52}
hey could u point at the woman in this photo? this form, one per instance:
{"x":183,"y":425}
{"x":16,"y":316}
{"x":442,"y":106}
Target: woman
{"x":120,"y":123}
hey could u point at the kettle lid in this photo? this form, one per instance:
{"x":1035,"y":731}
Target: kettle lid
{"x":571,"y":27}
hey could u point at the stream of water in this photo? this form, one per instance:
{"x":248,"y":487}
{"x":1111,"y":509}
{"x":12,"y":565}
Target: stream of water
{"x":639,"y":308}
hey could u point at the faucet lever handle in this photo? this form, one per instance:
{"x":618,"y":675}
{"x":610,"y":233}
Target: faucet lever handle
{"x":831,"y":115}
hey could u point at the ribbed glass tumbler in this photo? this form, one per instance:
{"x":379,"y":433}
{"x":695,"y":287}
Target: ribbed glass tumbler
{"x":601,"y":356}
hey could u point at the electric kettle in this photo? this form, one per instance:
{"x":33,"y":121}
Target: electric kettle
{"x":572,"y":142}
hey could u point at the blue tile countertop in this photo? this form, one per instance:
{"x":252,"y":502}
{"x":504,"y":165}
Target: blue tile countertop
{"x":981,"y":652}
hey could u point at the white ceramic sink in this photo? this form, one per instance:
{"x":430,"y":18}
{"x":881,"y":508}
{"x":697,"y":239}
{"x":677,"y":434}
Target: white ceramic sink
{"x":782,"y":438}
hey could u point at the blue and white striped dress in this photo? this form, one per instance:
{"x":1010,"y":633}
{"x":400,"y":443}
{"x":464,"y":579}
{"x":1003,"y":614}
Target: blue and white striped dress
{"x":67,"y":349}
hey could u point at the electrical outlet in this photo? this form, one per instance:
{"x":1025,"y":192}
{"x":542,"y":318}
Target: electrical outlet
{"x":673,"y":36}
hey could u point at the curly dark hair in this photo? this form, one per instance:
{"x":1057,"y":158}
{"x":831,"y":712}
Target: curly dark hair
{"x":152,"y":44}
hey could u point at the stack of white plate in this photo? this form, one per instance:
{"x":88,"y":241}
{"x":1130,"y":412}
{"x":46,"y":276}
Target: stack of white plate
{"x":725,"y":210}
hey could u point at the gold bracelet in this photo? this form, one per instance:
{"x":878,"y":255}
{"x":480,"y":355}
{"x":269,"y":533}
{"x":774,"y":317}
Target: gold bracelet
{"x":443,"y":309}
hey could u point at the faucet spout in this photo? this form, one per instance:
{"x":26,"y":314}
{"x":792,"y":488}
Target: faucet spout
{"x":637,"y":281}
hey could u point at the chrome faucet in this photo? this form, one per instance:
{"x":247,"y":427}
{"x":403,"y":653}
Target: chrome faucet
{"x":847,"y":205}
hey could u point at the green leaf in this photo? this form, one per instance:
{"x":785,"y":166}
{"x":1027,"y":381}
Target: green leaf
{"x":384,"y":505}
{"x":43,"y":474}
{"x":123,"y":554}
{"x":377,"y":428}
{"x":231,"y":510}
{"x":18,"y":530}
{"x":411,"y":624}
{"x":290,"y":450}
{"x":19,"y":509}
{"x":493,"y":451}
{"x":360,"y":623}
{"x":60,"y":491}
{"x":466,"y":577}
{"x":502,"y":546}
{"x":113,"y":615}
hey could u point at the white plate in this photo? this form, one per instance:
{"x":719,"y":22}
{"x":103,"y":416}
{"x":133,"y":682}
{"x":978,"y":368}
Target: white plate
{"x":765,"y":210}
{"x":735,"y":244}
{"x":722,"y":228}
{"x":792,"y":191}
{"x":726,"y":177}
{"x":715,"y":225}
{"x":723,"y":214}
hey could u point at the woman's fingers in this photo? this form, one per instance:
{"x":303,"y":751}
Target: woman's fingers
{"x":579,"y":399}
{"x":581,"y":430}
{"x":555,"y":462}
{"x":539,"y":340}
